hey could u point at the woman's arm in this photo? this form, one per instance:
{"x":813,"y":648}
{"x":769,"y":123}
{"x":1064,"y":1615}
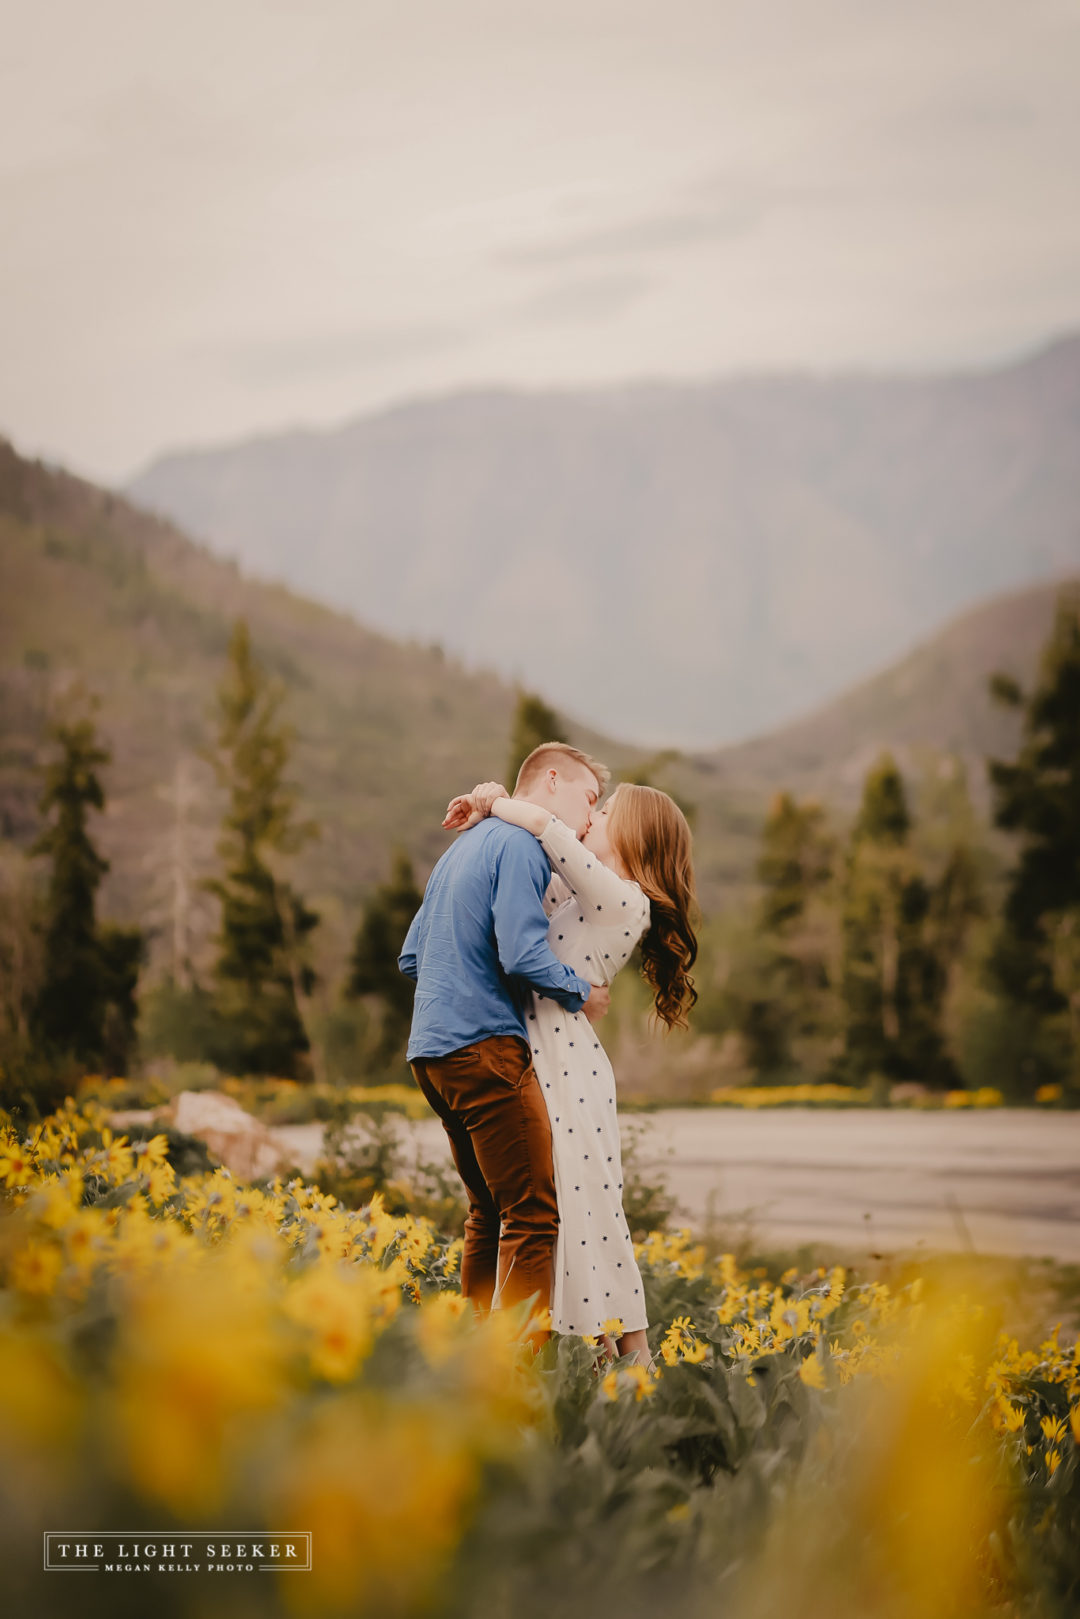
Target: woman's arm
{"x":520,"y":813}
{"x":599,"y":890}
{"x":491,"y":798}
{"x":467,"y":809}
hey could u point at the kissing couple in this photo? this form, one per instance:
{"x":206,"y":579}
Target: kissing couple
{"x":525,"y":921}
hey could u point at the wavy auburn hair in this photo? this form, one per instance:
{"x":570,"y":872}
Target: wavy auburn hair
{"x":649,"y":833}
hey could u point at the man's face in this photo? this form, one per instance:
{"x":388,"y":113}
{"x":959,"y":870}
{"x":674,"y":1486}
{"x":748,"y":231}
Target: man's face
{"x":574,"y":796}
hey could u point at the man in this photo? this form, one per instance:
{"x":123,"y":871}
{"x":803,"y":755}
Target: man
{"x":479,"y":939}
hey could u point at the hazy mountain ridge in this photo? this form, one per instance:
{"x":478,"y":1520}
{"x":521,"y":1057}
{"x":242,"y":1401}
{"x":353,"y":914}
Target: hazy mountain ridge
{"x":933,"y":701}
{"x":766,"y":541}
{"x":92,"y":587}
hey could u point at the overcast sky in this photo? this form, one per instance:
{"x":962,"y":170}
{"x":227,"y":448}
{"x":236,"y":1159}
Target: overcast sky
{"x":227,"y":216}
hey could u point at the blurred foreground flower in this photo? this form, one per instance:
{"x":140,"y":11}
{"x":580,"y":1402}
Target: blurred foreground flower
{"x":898,"y":1523}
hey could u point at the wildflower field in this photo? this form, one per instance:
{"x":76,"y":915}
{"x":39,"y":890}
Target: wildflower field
{"x":191,"y":1351}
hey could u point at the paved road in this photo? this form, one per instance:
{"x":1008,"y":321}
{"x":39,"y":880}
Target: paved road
{"x":1002,"y":1182}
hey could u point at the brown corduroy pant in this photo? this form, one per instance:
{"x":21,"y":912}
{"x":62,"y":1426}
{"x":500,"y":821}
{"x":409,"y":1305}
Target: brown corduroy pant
{"x":489,"y":1100}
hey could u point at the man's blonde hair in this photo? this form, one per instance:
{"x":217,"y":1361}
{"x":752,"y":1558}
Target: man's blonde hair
{"x":543,"y":757}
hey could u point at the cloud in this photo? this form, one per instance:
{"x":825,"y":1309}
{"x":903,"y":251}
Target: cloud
{"x":584,"y":300}
{"x":272,"y":361}
{"x":665,"y":231}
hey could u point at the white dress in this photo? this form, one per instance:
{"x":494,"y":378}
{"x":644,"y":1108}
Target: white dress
{"x":596,"y":919}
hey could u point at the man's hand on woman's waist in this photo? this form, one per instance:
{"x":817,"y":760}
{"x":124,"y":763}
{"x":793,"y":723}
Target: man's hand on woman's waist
{"x":598,"y":1004}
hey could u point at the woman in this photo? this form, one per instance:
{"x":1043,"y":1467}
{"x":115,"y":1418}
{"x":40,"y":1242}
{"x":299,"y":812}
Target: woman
{"x":629,"y":880}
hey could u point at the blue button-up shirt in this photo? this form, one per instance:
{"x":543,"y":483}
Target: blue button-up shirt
{"x":479,"y":941}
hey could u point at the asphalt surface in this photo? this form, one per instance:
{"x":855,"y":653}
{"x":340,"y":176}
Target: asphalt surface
{"x":998,"y":1182}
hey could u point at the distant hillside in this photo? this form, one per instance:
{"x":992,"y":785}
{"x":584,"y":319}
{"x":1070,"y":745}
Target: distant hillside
{"x":91,"y":587}
{"x":685,"y":564}
{"x":935,"y":699}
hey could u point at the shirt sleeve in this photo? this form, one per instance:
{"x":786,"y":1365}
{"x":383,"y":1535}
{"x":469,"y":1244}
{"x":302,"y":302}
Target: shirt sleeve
{"x":605,"y":897}
{"x":519,"y":879}
{"x":407,"y":959}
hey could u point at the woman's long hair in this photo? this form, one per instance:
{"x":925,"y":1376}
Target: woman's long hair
{"x":648,"y":831}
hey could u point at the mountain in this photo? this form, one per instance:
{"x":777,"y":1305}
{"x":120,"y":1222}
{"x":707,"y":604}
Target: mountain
{"x":688,"y":564}
{"x":93,"y":589}
{"x":931,"y":702}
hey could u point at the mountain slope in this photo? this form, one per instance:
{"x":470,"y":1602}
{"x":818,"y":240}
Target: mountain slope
{"x":92,"y":589}
{"x":684,"y":564}
{"x":935,"y":700}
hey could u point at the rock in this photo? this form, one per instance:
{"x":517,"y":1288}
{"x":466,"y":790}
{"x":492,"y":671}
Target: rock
{"x":908,"y":1090}
{"x":242,"y":1144}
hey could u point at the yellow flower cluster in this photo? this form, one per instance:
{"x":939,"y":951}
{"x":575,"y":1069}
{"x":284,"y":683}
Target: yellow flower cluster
{"x":1016,"y":1382}
{"x":243,"y":1357}
{"x":825,"y":1095}
{"x":265,"y":1351}
{"x":676,"y":1250}
{"x":984,"y":1096}
{"x":634,"y":1377}
{"x":680,"y":1343}
{"x":758,"y":1096}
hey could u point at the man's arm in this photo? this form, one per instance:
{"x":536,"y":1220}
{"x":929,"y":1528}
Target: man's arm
{"x":407,"y":959}
{"x":521,"y":928}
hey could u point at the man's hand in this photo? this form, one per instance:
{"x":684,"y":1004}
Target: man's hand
{"x":468,"y":808}
{"x":598,"y":1004}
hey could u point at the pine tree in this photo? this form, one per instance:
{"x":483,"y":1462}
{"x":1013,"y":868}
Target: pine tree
{"x":262,"y":969}
{"x":373,"y":968}
{"x":123,"y":953}
{"x":653,"y":772}
{"x":959,"y":868}
{"x":891,"y":985}
{"x":798,"y":926}
{"x":85,"y":1006}
{"x":534,"y":723}
{"x":1037,"y":796}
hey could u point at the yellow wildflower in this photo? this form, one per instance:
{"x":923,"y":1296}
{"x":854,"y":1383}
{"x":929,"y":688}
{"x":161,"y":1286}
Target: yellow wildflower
{"x":35,"y":1267}
{"x":1053,"y":1429}
{"x":644,"y":1385}
{"x":439,"y":1326}
{"x":610,"y":1385}
{"x":57,"y":1199}
{"x":41,"y":1401}
{"x":161,"y":1182}
{"x":1013,"y":1416}
{"x":811,"y":1373}
{"x":16,"y":1165}
{"x":388,"y":1490}
{"x":453,"y":1256}
{"x":154,"y":1151}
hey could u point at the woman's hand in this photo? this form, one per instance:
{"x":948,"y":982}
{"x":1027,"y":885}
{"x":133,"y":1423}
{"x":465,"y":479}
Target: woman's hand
{"x":468,"y":808}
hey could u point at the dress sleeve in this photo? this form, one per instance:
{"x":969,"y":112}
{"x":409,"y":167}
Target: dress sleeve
{"x":606,"y":899}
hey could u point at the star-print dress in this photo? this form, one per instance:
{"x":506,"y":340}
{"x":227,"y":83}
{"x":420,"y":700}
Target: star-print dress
{"x":596,"y":919}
